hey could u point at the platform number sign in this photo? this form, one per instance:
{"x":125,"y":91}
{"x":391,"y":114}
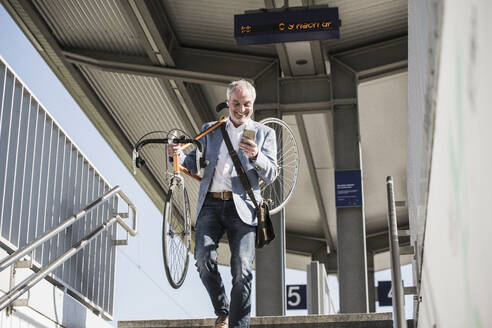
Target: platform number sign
{"x":385,"y":293}
{"x":296,"y":297}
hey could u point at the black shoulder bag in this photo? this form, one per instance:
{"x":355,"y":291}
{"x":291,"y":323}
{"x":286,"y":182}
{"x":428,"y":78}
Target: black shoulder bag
{"x":264,"y":230}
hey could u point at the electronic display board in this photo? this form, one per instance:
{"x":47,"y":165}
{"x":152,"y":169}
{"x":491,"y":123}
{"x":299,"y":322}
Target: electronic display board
{"x":287,"y":26}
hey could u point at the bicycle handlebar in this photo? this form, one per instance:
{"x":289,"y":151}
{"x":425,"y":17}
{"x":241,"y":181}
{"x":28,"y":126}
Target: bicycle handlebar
{"x":139,"y":162}
{"x":181,"y":140}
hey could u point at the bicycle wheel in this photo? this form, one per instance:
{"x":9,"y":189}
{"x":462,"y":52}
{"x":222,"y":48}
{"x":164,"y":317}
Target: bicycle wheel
{"x":281,"y":190}
{"x":176,"y":234}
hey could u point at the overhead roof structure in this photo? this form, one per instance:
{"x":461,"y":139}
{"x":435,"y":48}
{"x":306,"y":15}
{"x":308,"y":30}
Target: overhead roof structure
{"x":139,"y":66}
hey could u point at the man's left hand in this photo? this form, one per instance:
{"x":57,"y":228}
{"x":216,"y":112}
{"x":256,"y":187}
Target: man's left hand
{"x":249,"y":148}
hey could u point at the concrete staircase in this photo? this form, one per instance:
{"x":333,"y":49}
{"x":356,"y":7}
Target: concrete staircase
{"x":362,"y":320}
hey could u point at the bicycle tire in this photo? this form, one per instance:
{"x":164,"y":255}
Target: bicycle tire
{"x":282,"y":188}
{"x":176,"y":236}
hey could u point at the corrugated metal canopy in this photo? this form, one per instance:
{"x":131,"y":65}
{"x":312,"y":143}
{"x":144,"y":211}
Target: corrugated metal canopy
{"x":210,"y":24}
{"x":368,"y":21}
{"x":138,"y":66}
{"x":91,"y":25}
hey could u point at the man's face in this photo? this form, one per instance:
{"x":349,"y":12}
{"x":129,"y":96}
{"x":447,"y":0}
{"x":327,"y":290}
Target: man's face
{"x":240,"y":106}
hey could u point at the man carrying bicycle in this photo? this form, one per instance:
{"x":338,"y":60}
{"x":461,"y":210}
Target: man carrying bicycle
{"x":223,"y":205}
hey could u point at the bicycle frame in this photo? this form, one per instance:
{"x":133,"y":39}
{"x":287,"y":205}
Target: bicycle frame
{"x":137,"y":162}
{"x":180,"y":168}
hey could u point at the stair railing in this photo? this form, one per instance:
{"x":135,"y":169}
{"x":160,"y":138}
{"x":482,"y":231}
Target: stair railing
{"x":29,"y":282}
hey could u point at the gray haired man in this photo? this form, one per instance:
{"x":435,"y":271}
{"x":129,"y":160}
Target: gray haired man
{"x":224,"y":207}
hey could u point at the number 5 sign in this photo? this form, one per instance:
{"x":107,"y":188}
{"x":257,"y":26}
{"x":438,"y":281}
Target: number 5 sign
{"x":296,"y":297}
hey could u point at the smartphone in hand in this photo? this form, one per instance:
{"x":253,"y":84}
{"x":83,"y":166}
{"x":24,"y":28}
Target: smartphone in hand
{"x":249,"y":134}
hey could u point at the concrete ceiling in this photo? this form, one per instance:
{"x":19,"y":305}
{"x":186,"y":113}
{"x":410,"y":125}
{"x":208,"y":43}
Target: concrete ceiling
{"x":137,"y":66}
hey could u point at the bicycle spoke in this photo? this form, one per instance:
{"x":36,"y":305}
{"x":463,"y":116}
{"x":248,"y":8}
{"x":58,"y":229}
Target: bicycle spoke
{"x":281,"y":189}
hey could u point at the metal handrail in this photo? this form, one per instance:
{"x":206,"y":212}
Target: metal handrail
{"x":43,"y":272}
{"x":398,"y":303}
{"x":133,"y":230}
{"x":6,"y":262}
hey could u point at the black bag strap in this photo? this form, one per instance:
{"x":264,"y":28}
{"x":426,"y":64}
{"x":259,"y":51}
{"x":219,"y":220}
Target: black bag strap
{"x":239,"y":167}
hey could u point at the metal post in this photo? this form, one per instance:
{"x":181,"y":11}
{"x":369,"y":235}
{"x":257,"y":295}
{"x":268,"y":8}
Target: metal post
{"x":398,"y":303}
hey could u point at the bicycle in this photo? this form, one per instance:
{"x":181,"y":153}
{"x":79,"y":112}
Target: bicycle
{"x":177,"y":228}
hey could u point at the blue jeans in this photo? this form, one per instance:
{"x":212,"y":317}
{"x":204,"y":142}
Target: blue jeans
{"x":216,"y":217}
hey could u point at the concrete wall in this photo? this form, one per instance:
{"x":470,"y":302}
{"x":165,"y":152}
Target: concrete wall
{"x":457,"y":265}
{"x":424,"y":37}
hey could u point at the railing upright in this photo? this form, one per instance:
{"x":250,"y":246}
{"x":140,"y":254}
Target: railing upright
{"x":396,"y":282}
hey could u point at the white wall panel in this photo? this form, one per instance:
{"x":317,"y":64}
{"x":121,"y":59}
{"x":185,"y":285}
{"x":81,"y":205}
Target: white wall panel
{"x":457,"y":265}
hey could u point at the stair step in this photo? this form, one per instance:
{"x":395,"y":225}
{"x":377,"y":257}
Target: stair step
{"x":353,"y":320}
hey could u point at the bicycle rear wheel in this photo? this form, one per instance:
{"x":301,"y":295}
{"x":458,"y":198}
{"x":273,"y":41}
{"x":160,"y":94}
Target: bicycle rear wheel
{"x":281,"y":190}
{"x":176,"y":234}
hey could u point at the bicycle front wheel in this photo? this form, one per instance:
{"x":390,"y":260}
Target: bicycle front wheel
{"x":280,"y":191}
{"x":176,"y":234}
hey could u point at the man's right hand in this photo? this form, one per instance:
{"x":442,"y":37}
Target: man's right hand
{"x":172,"y":149}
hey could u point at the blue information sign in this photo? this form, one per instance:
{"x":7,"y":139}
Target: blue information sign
{"x":287,"y":26}
{"x":348,"y":188}
{"x":296,"y":297}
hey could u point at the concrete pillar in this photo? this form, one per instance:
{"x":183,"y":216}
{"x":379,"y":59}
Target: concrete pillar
{"x":329,"y":260}
{"x":270,"y":272}
{"x":316,"y":288}
{"x":351,"y":246}
{"x":270,"y":260}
